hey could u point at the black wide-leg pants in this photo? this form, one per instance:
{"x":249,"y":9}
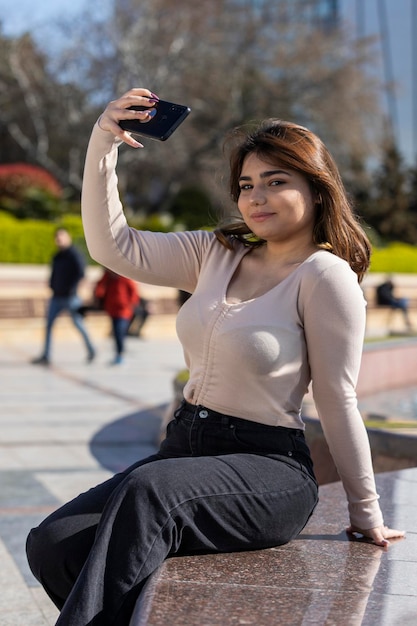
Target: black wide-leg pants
{"x":217,"y":484}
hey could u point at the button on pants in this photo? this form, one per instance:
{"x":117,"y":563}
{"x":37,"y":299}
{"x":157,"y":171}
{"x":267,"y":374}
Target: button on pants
{"x":217,"y":484}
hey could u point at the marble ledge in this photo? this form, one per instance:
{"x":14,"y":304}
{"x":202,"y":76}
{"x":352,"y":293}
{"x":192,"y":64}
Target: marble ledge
{"x":322,"y":577}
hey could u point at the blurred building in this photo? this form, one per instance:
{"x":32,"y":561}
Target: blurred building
{"x":319,"y":13}
{"x":322,"y":13}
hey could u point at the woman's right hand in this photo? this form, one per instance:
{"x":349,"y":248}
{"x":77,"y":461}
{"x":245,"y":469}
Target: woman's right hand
{"x":379,"y":535}
{"x":118,"y":110}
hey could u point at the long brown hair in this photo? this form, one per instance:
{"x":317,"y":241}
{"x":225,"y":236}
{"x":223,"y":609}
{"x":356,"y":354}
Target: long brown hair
{"x":336,"y":226}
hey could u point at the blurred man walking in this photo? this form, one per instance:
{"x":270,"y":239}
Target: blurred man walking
{"x":67,"y":271}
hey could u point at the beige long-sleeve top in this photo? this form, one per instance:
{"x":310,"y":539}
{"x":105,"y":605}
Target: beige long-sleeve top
{"x":254,"y":359}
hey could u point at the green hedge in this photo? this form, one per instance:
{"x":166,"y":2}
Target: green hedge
{"x":32,"y":242}
{"x":395,"y":258}
{"x":29,"y":241}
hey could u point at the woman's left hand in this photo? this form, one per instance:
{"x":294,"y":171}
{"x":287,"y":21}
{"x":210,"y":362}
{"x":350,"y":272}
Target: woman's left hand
{"x":119,"y":109}
{"x":379,"y":535}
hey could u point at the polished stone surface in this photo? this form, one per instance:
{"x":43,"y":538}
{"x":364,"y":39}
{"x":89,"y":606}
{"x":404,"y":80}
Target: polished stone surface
{"x":322,"y":577}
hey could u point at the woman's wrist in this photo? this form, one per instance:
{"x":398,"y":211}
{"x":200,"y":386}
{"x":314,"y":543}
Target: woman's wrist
{"x":99,"y":125}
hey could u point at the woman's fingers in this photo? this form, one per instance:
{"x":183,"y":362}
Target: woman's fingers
{"x":118,"y":110}
{"x":380,"y":535}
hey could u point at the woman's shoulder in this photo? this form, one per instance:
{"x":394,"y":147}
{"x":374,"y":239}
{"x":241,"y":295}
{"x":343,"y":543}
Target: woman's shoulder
{"x":325,"y":268}
{"x":323,"y":260}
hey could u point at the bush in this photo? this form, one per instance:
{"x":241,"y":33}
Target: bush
{"x":29,"y":191}
{"x":16,"y":178}
{"x":396,"y":258}
{"x":191,"y":206}
{"x":32,"y":241}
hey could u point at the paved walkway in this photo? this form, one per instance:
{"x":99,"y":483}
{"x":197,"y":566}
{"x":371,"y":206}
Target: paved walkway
{"x":66,"y":428}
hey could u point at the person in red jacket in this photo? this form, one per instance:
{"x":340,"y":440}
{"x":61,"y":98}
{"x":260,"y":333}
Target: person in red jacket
{"x":118,"y":297}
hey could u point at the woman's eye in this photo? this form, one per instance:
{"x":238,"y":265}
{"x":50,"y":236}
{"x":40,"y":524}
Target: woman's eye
{"x":276,"y":182}
{"x":245,"y":187}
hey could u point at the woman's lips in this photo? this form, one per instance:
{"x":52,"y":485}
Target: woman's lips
{"x":261,"y":217}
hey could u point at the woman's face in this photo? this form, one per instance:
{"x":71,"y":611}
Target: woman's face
{"x":275,"y":202}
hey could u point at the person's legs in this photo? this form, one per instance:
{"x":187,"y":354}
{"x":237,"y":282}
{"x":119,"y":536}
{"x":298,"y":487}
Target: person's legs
{"x":403,"y":304}
{"x":58,"y":548}
{"x":55,"y":306}
{"x":189,"y":504}
{"x":78,"y":321}
{"x":171,"y":507}
{"x":120,"y":326}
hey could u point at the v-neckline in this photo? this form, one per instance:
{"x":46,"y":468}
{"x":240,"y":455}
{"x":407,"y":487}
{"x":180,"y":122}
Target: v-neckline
{"x":234,"y":269}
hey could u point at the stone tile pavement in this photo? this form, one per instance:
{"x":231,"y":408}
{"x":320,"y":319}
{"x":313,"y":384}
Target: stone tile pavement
{"x":65,"y":428}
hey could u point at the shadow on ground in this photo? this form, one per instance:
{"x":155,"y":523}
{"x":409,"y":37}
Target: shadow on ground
{"x":128,"y":439}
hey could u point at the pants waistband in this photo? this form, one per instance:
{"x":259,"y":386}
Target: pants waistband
{"x":205,"y":413}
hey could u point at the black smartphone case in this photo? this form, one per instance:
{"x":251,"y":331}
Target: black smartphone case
{"x":168,"y":117}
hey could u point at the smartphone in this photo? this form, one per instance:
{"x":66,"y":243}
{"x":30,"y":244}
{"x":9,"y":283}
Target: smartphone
{"x":168,"y":117}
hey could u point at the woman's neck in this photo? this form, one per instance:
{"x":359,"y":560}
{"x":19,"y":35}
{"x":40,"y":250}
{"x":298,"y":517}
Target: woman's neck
{"x":287,"y":254}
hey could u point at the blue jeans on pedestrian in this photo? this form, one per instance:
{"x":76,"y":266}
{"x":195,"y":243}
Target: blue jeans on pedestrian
{"x":217,"y":484}
{"x":57,"y":305}
{"x":120,"y":326}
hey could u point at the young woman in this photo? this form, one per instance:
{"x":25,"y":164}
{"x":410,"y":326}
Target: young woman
{"x":275,"y":304}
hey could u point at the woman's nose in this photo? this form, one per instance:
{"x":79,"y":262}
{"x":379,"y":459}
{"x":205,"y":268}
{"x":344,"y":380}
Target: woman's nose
{"x":257,"y":197}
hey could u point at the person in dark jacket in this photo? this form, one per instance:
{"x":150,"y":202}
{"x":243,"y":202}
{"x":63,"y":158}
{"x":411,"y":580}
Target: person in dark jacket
{"x":67,"y":271}
{"x":385,"y":297}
